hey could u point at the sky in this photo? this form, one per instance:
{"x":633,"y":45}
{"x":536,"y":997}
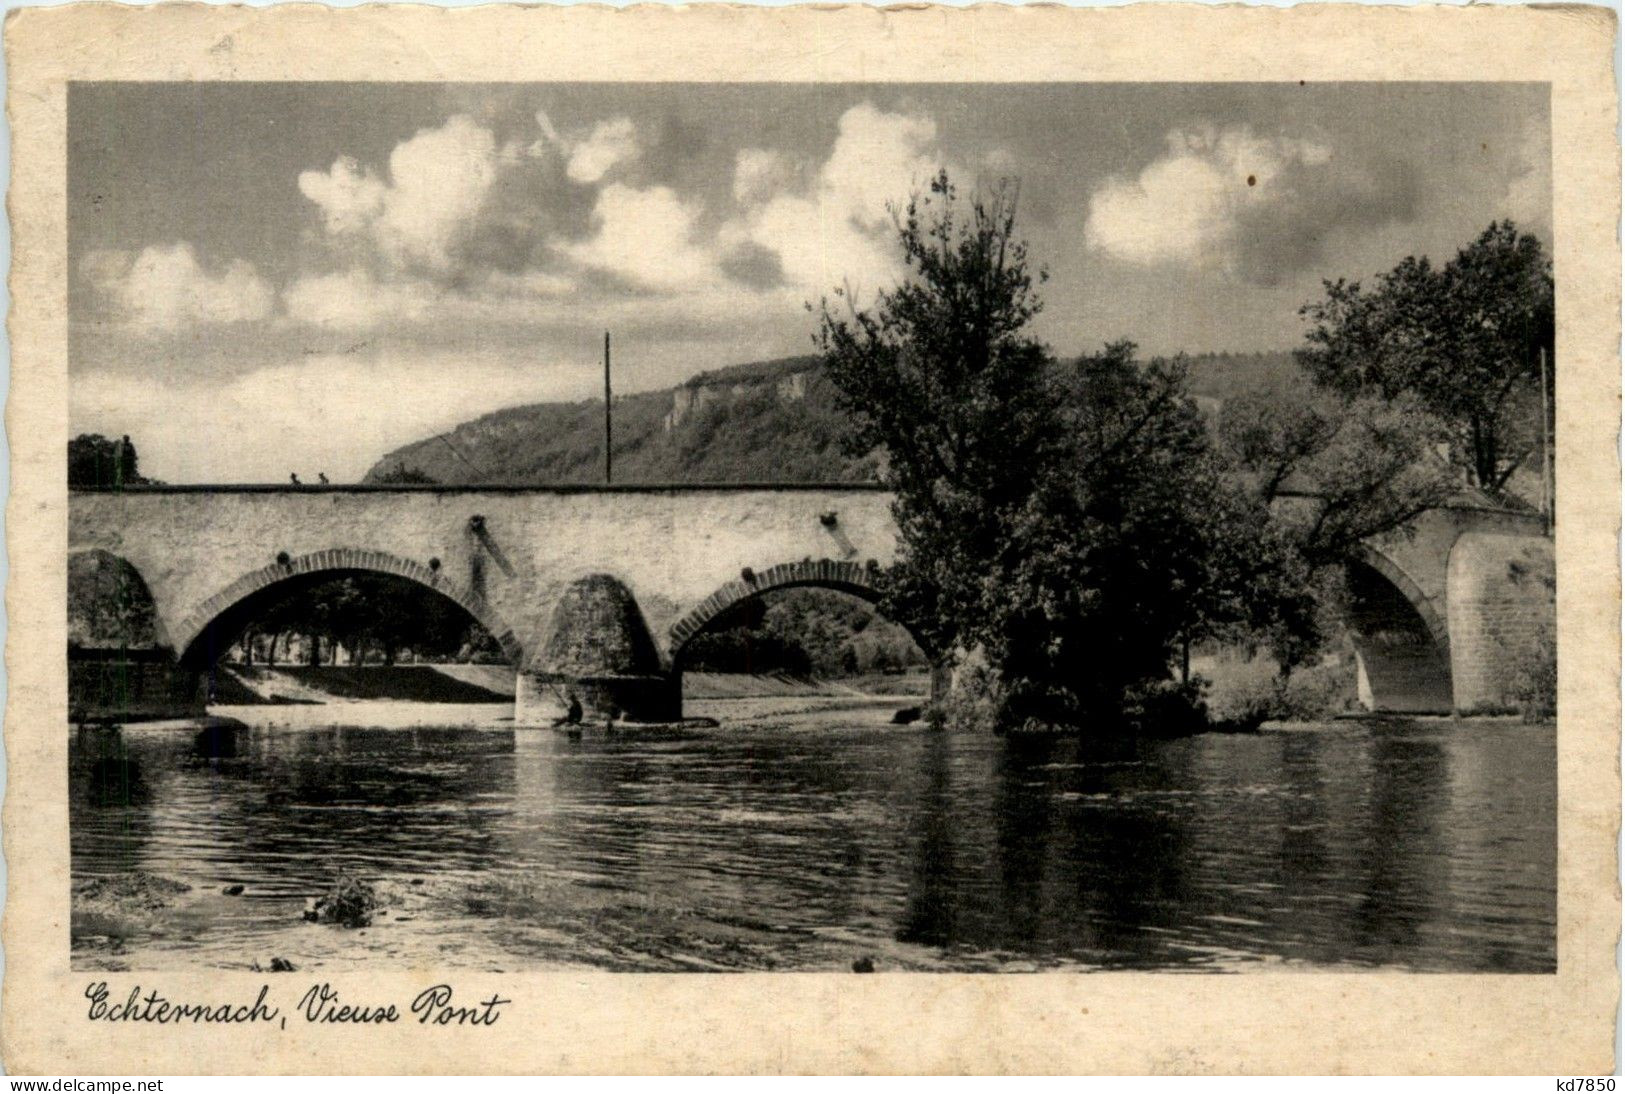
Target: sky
{"x":275,"y":278}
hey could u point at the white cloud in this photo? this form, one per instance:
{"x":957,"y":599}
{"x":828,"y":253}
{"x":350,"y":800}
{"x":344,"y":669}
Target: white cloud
{"x":545,"y":124}
{"x":647,"y":238}
{"x":349,"y":195}
{"x":438,"y":179}
{"x":878,"y":159}
{"x":759,"y":173}
{"x":164,"y":287}
{"x":317,"y":413}
{"x":1528,"y":197}
{"x":607,"y":147}
{"x":839,"y":230}
{"x":1190,"y":205}
{"x":690,"y":291}
{"x":459,"y":222}
{"x":355,"y":300}
{"x":428,"y":226}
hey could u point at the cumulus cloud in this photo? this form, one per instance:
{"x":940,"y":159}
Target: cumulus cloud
{"x":608,"y":146}
{"x":759,"y":173}
{"x":647,"y":237}
{"x":457,"y":214}
{"x":838,"y":229}
{"x":438,"y":179}
{"x":355,"y":300}
{"x":165,"y":287}
{"x":878,"y":158}
{"x":1256,"y":207}
{"x":350,"y":196}
{"x":461,"y":221}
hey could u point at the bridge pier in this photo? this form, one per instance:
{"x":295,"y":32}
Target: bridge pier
{"x":601,"y":652}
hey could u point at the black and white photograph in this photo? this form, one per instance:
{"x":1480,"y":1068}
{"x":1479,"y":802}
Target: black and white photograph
{"x":863,"y":528}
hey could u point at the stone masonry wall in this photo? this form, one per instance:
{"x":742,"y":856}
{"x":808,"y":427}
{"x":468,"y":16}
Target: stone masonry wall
{"x":672,"y":548}
{"x":513,"y":552}
{"x":1503,"y":611}
{"x":129,"y":689}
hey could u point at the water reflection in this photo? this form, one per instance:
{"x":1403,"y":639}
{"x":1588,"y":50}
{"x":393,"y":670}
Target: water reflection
{"x":929,"y":918}
{"x":1421,"y":845}
{"x":1403,"y":872}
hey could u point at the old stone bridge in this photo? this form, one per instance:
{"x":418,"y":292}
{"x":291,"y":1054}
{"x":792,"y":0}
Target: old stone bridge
{"x":602,"y":587}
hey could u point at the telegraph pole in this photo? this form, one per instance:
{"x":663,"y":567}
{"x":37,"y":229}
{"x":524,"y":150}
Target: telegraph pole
{"x":608,"y":466}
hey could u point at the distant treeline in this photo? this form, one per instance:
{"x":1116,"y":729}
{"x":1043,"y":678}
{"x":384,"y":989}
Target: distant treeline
{"x":359,"y":619}
{"x":804,"y":632}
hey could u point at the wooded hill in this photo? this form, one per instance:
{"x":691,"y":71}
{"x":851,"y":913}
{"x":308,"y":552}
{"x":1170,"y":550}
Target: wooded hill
{"x":771,"y":421}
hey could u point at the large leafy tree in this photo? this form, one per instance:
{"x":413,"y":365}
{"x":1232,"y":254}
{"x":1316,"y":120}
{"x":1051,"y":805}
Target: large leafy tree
{"x":1072,"y":522}
{"x":1137,"y":542}
{"x":1464,"y":339}
{"x":1327,"y":473}
{"x":944,"y":376}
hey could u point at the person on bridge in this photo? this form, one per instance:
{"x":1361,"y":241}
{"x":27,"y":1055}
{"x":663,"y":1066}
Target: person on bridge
{"x":321,"y":476}
{"x":293,"y":478}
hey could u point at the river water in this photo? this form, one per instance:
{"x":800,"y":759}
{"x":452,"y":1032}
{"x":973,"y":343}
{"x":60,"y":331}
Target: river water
{"x":797,"y":839}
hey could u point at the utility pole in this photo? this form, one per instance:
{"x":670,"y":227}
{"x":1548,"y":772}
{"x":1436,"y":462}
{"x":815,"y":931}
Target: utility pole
{"x":609,"y":476}
{"x":1548,"y":503}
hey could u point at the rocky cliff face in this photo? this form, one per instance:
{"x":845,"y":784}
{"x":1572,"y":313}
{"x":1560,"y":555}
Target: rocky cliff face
{"x":696,"y":395}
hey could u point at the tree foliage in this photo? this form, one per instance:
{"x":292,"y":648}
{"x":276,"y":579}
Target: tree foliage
{"x":1336,"y":472}
{"x":1074,"y":523}
{"x":372,"y":616}
{"x":943,"y":374}
{"x":98,"y":461}
{"x":1133,"y":542}
{"x":404,"y":475}
{"x":817,"y":632}
{"x":1464,"y":339}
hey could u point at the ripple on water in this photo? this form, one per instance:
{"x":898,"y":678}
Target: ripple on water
{"x":1428,"y":847}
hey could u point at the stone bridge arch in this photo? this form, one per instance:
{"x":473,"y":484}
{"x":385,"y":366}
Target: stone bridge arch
{"x":841,"y":576}
{"x":1430,"y":613}
{"x":1401,"y":638}
{"x":194,"y":632}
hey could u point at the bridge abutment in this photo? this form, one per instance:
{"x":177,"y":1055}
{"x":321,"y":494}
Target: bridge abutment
{"x":132,"y":685}
{"x":120,"y":667}
{"x":1503,"y":617}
